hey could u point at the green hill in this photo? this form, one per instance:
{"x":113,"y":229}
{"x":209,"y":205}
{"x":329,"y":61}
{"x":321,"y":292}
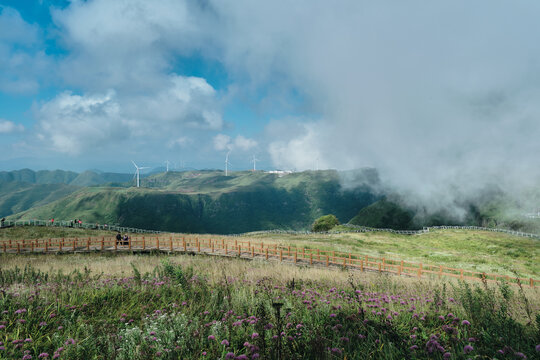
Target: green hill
{"x":385,"y":214}
{"x":207,"y":201}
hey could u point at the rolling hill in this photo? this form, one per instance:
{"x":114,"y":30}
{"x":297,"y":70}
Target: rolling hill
{"x":208,"y":201}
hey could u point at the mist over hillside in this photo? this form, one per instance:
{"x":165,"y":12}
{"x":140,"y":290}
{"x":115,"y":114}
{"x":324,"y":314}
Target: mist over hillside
{"x":208,"y":201}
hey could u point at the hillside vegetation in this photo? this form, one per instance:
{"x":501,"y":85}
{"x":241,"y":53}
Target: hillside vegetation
{"x":209,"y":202}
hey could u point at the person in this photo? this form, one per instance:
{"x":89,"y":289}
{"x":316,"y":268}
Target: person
{"x":118,"y":239}
{"x":126,"y":239}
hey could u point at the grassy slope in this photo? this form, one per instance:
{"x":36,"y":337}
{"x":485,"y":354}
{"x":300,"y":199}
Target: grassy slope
{"x":470,"y":250}
{"x":207,"y":201}
{"x":481,"y":251}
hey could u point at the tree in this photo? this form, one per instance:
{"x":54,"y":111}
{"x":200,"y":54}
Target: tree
{"x":324,"y":223}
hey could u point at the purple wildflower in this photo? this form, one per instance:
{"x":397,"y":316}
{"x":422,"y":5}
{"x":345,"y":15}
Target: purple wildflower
{"x":255,"y":356}
{"x":467,"y":349}
{"x":229,"y":355}
{"x":225,"y":342}
{"x":211,"y":337}
{"x":254,"y":335}
{"x":465,"y":322}
{"x":447,"y":356}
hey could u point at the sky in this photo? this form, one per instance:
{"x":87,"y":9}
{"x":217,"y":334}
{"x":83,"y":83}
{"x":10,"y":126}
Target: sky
{"x":433,"y":94}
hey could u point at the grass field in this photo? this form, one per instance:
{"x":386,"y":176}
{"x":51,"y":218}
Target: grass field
{"x":112,"y":306}
{"x":481,"y":251}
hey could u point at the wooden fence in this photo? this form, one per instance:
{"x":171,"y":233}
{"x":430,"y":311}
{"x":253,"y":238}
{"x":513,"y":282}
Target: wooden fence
{"x":252,"y":249}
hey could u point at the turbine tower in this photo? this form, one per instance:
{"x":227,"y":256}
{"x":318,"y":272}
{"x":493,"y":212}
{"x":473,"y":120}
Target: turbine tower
{"x":227,"y":163}
{"x":254,"y":161}
{"x":137,"y":172}
{"x":167,"y":162}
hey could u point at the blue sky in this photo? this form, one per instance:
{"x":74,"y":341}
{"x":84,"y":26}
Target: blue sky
{"x":212,"y":100}
{"x":432,"y":94}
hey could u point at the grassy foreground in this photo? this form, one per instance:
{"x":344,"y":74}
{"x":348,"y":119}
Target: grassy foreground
{"x":482,"y":251}
{"x":97,"y":306}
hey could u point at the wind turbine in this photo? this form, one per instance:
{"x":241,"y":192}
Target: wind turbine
{"x":138,"y":171}
{"x":227,"y":163}
{"x":167,"y":163}
{"x":254,"y":161}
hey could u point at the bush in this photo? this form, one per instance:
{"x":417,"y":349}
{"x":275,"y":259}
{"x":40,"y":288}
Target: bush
{"x":324,"y":223}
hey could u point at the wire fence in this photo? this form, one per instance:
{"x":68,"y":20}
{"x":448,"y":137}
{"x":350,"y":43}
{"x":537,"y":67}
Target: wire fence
{"x":77,"y":225}
{"x":252,"y":249}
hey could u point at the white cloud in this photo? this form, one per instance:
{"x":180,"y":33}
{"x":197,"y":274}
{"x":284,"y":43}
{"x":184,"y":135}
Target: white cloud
{"x":23,"y":62}
{"x":222,"y":142}
{"x":7,"y":127}
{"x":74,"y":124}
{"x":243,"y":143}
{"x":225,"y":142}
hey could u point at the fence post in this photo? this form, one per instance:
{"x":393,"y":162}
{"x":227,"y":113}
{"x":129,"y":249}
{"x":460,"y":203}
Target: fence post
{"x":23,"y":244}
{"x":295,"y":256}
{"x":185,"y":244}
{"x":333,"y":256}
{"x":198,"y":245}
{"x":239,"y":250}
{"x":367,"y":260}
{"x":102,"y":243}
{"x":5,"y":250}
{"x":18,"y":248}
{"x":420,"y":270}
{"x":383,"y":264}
{"x":280,"y":254}
{"x":289,"y":250}
{"x":327,"y":260}
{"x":361,"y":265}
{"x":344,"y":263}
{"x":235,"y":243}
{"x":310,"y":259}
{"x":440,"y":271}
{"x":531,"y":282}
{"x":32,"y":246}
{"x":252,"y":251}
{"x":88,"y":245}
{"x":303,"y":253}
{"x":143,"y":243}
{"x":223,"y":244}
{"x":129,"y":242}
{"x":461,"y":274}
{"x":225,"y":249}
{"x":266,"y":253}
{"x":350,"y":258}
{"x":401,"y":267}
{"x":318,"y":255}
{"x":157,"y":242}
{"x":116,"y":245}
{"x":60,"y":244}
{"x":379,"y":267}
{"x":212,"y":246}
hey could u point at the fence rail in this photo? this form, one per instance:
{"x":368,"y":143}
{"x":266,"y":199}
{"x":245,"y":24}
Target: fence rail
{"x":72,"y":224}
{"x":252,"y":249}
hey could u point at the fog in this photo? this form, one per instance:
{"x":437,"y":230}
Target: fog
{"x":441,"y":98}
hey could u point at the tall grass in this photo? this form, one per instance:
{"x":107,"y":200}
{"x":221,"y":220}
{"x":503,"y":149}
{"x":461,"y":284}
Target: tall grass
{"x":196,"y":308}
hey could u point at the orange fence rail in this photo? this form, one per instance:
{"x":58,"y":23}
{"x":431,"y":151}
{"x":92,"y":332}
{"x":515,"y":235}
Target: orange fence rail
{"x":253,"y":249}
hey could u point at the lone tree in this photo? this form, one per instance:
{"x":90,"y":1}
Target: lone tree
{"x":324,"y":223}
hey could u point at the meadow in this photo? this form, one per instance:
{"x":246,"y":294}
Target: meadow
{"x":141,"y":306}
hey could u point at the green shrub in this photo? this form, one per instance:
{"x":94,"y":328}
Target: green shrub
{"x":324,"y":223}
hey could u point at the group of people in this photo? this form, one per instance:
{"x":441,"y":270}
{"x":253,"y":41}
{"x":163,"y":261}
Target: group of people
{"x":122,"y":240}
